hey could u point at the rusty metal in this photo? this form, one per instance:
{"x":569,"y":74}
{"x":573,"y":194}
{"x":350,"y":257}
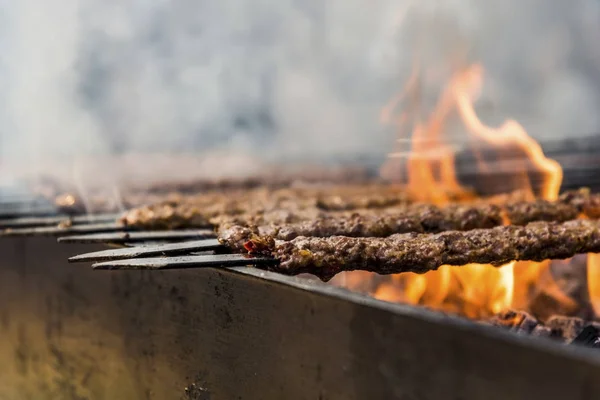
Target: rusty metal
{"x":169,"y":249}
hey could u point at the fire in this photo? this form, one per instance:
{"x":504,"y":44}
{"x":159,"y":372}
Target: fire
{"x":511,"y":133}
{"x":473,"y":290}
{"x":593,"y":279}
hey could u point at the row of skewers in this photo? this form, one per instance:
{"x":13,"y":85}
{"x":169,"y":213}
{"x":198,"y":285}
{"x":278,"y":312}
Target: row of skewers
{"x":377,"y":228}
{"x":324,"y":230}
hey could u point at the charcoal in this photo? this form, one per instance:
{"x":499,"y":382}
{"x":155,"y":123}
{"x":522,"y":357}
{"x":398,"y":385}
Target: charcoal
{"x":517,"y":321}
{"x":547,"y":302}
{"x":541,"y":331}
{"x":564,"y":329}
{"x":589,"y":337}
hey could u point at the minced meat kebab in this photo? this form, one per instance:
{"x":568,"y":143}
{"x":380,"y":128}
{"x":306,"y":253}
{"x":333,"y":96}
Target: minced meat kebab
{"x":333,"y":207}
{"x":420,"y":253}
{"x":197,"y":211}
{"x":377,"y":228}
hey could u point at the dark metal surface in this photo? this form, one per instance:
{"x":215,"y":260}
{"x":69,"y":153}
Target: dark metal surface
{"x":578,"y":156}
{"x":72,"y":333}
{"x":60,"y":230}
{"x":169,"y":249}
{"x":131,"y":237}
{"x":29,"y":222}
{"x":18,"y":210}
{"x":184,"y":262}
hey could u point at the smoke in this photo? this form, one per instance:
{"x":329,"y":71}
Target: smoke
{"x":280,"y":79}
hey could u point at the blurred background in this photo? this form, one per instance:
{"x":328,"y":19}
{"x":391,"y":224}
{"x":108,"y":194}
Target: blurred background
{"x":277,"y":80}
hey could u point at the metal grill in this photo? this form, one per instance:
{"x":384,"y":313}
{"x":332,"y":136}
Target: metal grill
{"x":218,"y":329}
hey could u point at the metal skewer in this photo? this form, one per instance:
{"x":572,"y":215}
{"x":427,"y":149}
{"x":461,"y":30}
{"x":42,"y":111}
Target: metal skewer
{"x":29,"y":222}
{"x":170,"y":249}
{"x":58,"y":230}
{"x":182,"y":262}
{"x":131,"y":237}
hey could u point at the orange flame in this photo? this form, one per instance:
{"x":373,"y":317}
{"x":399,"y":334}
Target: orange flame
{"x":511,"y":133}
{"x":474,"y":290}
{"x":593,"y":280}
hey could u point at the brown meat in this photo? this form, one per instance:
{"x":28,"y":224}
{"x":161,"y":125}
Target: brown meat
{"x":522,"y":213}
{"x":190,"y":211}
{"x":165,"y":216}
{"x":330,"y":211}
{"x":368,"y":223}
{"x":279,"y":177}
{"x":413,"y":252}
{"x":361,"y":201}
{"x":586,"y":203}
{"x":412,"y":218}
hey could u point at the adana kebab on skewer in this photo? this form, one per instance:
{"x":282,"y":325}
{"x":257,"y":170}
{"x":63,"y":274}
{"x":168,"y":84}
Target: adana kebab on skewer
{"x":417,"y":252}
{"x":358,"y":215}
{"x":197,"y":211}
{"x":419,"y":218}
{"x":410,"y":252}
{"x":280,"y":227}
{"x":272,"y":177}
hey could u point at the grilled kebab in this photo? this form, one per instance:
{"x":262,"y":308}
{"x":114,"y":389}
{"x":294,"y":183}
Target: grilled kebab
{"x":418,"y":252}
{"x":379,"y":229}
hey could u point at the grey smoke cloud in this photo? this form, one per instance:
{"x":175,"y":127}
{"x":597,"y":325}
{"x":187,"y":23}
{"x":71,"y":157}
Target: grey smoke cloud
{"x":286,"y":79}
